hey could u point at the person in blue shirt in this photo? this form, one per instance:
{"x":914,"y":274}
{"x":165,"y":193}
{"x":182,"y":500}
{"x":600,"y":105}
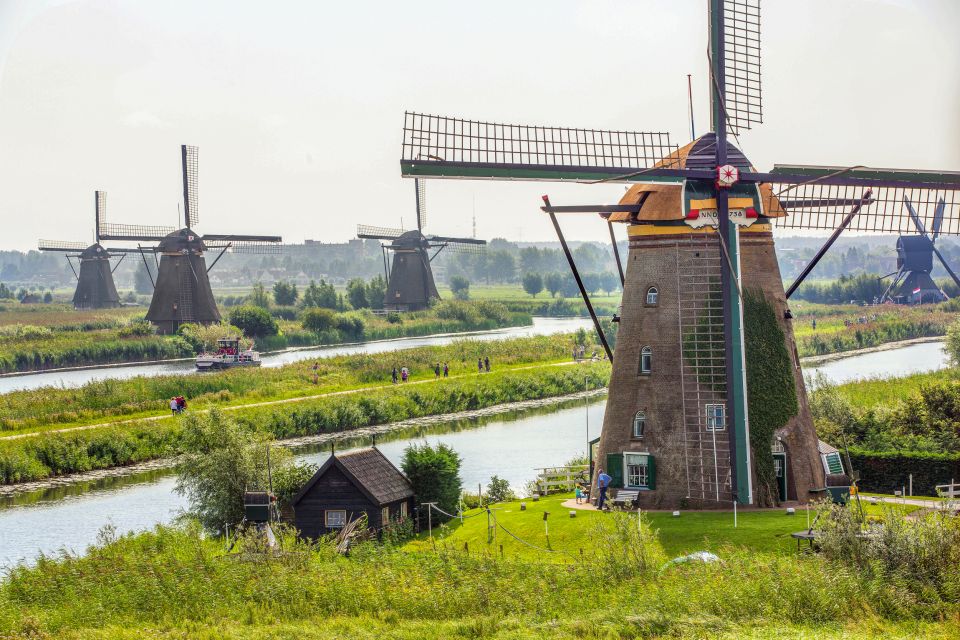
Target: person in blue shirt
{"x":603,"y":481}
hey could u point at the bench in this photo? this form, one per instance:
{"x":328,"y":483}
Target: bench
{"x":624,"y":497}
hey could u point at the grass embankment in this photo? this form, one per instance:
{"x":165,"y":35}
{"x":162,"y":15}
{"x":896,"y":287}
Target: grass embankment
{"x":109,"y":400}
{"x":876,"y":392}
{"x":56,"y":336}
{"x":849,"y":327}
{"x":289,"y":405}
{"x":179,"y":583}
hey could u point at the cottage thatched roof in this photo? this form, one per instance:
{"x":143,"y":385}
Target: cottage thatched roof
{"x":370,"y":472}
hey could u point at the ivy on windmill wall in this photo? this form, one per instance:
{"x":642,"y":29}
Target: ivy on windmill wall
{"x":771,"y":392}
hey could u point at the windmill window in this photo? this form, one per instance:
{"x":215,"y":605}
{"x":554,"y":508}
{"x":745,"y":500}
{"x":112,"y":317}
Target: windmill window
{"x":335,"y":518}
{"x":652,"y":295}
{"x":646,"y":361}
{"x":716,"y":417}
{"x":639,"y":424}
{"x":833,"y":463}
{"x":638,"y":470}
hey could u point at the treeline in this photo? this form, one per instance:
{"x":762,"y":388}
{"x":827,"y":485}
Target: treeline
{"x":857,"y":289}
{"x":53,"y":454}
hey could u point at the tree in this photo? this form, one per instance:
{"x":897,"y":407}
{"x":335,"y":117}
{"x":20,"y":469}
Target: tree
{"x":460,"y":287}
{"x":376,"y":291}
{"x":141,"y":280}
{"x":435,"y":476}
{"x":318,"y":320}
{"x":222,"y":460}
{"x":47,"y":297}
{"x":554,"y":283}
{"x":255,"y":322}
{"x":499,"y":490}
{"x":952,"y":346}
{"x":609,"y":281}
{"x":357,"y":294}
{"x":532,"y":283}
{"x":502,"y":267}
{"x":591,"y":282}
{"x":259,"y":297}
{"x":320,"y":295}
{"x":5,"y":292}
{"x":285,"y":293}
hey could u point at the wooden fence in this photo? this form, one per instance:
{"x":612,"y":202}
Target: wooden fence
{"x":556,"y":479}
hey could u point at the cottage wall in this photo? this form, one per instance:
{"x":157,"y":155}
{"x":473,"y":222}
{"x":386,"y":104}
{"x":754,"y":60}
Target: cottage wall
{"x":333,"y":491}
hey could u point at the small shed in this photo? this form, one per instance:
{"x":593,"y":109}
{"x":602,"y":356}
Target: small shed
{"x":349,"y":485}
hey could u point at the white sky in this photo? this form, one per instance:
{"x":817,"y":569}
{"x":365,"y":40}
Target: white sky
{"x":298,"y":106}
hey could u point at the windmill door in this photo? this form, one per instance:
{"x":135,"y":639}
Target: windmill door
{"x":780,"y":470}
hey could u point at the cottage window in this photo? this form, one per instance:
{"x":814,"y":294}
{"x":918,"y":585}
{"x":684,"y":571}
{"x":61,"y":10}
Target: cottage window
{"x":639,"y":424}
{"x":335,"y":518}
{"x":778,"y":466}
{"x":403,"y":509}
{"x":385,"y":516}
{"x":637,"y":466}
{"x":646,"y":361}
{"x":716,"y":417}
{"x":652,"y":294}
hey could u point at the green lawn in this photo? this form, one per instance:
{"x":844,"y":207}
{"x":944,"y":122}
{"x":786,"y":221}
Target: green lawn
{"x":864,"y":394}
{"x":763,"y":531}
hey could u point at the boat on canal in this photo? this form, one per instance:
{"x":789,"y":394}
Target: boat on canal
{"x":228,"y":356}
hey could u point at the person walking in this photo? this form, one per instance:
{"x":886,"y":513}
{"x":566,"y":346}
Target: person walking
{"x":436,"y":370}
{"x":446,"y":370}
{"x":479,"y":365}
{"x":486,"y":363}
{"x":174,"y":406}
{"x":394,"y":375}
{"x":316,"y":374}
{"x":603,"y":481}
{"x":404,"y":374}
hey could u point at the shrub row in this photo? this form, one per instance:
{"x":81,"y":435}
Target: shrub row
{"x":889,"y":471}
{"x":55,"y":454}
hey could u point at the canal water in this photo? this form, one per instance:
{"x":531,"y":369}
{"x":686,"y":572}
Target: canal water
{"x":904,"y":361}
{"x":511,"y":446}
{"x":541,"y":326}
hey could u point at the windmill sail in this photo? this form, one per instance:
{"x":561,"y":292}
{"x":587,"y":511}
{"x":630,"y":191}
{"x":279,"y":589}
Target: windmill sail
{"x":370,"y":232}
{"x":61,"y":245}
{"x":134,"y":232}
{"x":743,"y":98}
{"x":420,"y":186}
{"x":100,"y":212}
{"x":443,"y":147}
{"x":189,"y":157}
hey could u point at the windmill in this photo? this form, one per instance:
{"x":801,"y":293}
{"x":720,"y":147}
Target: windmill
{"x":699,"y":222}
{"x":181,"y":292}
{"x":95,"y":286}
{"x":410,"y":283}
{"x":912,"y":282}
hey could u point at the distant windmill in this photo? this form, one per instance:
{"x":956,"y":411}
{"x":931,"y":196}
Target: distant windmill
{"x":182,"y":291}
{"x":410,"y":284}
{"x":95,"y":286}
{"x":912,"y":282}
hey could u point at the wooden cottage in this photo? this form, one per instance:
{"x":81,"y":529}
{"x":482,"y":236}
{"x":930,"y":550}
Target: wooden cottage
{"x":349,"y":485}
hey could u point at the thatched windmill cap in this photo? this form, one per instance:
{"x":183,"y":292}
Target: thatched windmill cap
{"x":664,"y":202}
{"x":181,"y":241}
{"x":95,"y":252}
{"x":409,"y":240}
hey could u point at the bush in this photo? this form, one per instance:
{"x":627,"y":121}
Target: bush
{"x":318,"y":320}
{"x":435,"y":475}
{"x":254,"y":321}
{"x":285,"y":293}
{"x":460,"y":287}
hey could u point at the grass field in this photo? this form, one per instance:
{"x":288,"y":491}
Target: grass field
{"x":865,"y":394}
{"x":766,"y":531}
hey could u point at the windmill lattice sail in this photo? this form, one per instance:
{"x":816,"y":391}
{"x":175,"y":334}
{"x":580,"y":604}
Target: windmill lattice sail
{"x":743,"y":96}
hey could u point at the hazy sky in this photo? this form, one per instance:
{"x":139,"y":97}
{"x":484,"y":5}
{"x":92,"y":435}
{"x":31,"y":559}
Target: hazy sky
{"x":297,"y":107}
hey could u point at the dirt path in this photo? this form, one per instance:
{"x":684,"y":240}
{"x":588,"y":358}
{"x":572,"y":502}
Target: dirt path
{"x":267,"y":403}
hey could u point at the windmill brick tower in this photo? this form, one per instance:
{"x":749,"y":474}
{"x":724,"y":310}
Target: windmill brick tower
{"x":181,"y":292}
{"x":707,"y":405}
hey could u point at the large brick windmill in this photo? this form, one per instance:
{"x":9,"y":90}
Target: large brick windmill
{"x":681,"y":425}
{"x":95,"y":286}
{"x":410,"y":283}
{"x":181,"y":292}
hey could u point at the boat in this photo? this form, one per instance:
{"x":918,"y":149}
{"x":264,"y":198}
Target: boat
{"x":228,"y":356}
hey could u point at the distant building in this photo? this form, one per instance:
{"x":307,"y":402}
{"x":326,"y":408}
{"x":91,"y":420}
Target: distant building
{"x":349,"y":485}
